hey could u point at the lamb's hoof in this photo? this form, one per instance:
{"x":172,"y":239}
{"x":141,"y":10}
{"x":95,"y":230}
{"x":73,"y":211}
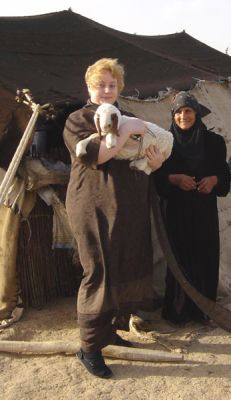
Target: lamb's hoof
{"x":79,"y":155}
{"x":109,"y":145}
{"x":133,"y":166}
{"x":111,"y":141}
{"x":80,"y":152}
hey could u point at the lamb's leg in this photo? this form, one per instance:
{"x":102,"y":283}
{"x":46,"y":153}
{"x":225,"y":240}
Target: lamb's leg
{"x":141,"y":165}
{"x":111,"y":140}
{"x":81,"y":147}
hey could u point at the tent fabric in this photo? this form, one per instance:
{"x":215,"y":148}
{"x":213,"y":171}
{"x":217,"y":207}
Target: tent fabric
{"x":62,"y":236}
{"x":185,"y":50}
{"x":50,"y":53}
{"x":19,"y":204}
{"x":18,"y":199}
{"x":217,"y":97}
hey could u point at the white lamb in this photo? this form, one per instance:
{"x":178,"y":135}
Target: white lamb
{"x":108,"y":120}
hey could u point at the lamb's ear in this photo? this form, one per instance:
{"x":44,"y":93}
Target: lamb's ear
{"x":114,"y":124}
{"x":97,"y":124}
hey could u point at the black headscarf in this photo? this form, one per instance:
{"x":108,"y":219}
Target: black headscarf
{"x":185,"y":99}
{"x":189,"y":143}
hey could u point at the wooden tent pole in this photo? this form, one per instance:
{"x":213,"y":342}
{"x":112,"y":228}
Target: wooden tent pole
{"x":119,"y":352}
{"x":11,"y":171}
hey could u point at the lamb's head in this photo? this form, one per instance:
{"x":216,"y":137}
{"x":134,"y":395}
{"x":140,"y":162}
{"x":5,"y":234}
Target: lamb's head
{"x":107,"y":121}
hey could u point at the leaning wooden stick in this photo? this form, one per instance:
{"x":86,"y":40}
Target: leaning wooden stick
{"x":118,"y":352}
{"x":215,"y":311}
{"x":11,"y":171}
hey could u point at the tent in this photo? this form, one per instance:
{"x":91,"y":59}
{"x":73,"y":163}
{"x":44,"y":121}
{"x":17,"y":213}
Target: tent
{"x":49,"y":55}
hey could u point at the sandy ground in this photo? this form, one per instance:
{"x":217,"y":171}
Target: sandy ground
{"x":204,"y":374}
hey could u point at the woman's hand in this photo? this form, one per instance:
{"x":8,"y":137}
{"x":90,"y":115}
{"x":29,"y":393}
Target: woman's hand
{"x":184,"y":182}
{"x":207,"y":184}
{"x":154,"y":156}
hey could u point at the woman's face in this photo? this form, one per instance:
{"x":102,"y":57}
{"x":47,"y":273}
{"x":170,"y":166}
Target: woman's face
{"x":105,"y":91}
{"x":185,"y":117}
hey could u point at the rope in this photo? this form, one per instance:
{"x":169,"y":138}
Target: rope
{"x":141,"y":141}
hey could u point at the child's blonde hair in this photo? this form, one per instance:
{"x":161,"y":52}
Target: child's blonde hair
{"x":95,"y":71}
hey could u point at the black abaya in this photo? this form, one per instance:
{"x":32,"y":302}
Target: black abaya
{"x":192,"y":220}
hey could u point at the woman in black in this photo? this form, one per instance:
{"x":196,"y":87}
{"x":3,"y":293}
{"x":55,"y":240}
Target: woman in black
{"x":189,"y":182}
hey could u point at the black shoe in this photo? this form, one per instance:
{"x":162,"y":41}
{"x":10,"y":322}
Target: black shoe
{"x":94,"y":363}
{"x":122,"y":342}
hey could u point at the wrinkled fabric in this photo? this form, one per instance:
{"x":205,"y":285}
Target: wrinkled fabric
{"x":19,"y":204}
{"x":61,"y":233}
{"x":109,"y":213}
